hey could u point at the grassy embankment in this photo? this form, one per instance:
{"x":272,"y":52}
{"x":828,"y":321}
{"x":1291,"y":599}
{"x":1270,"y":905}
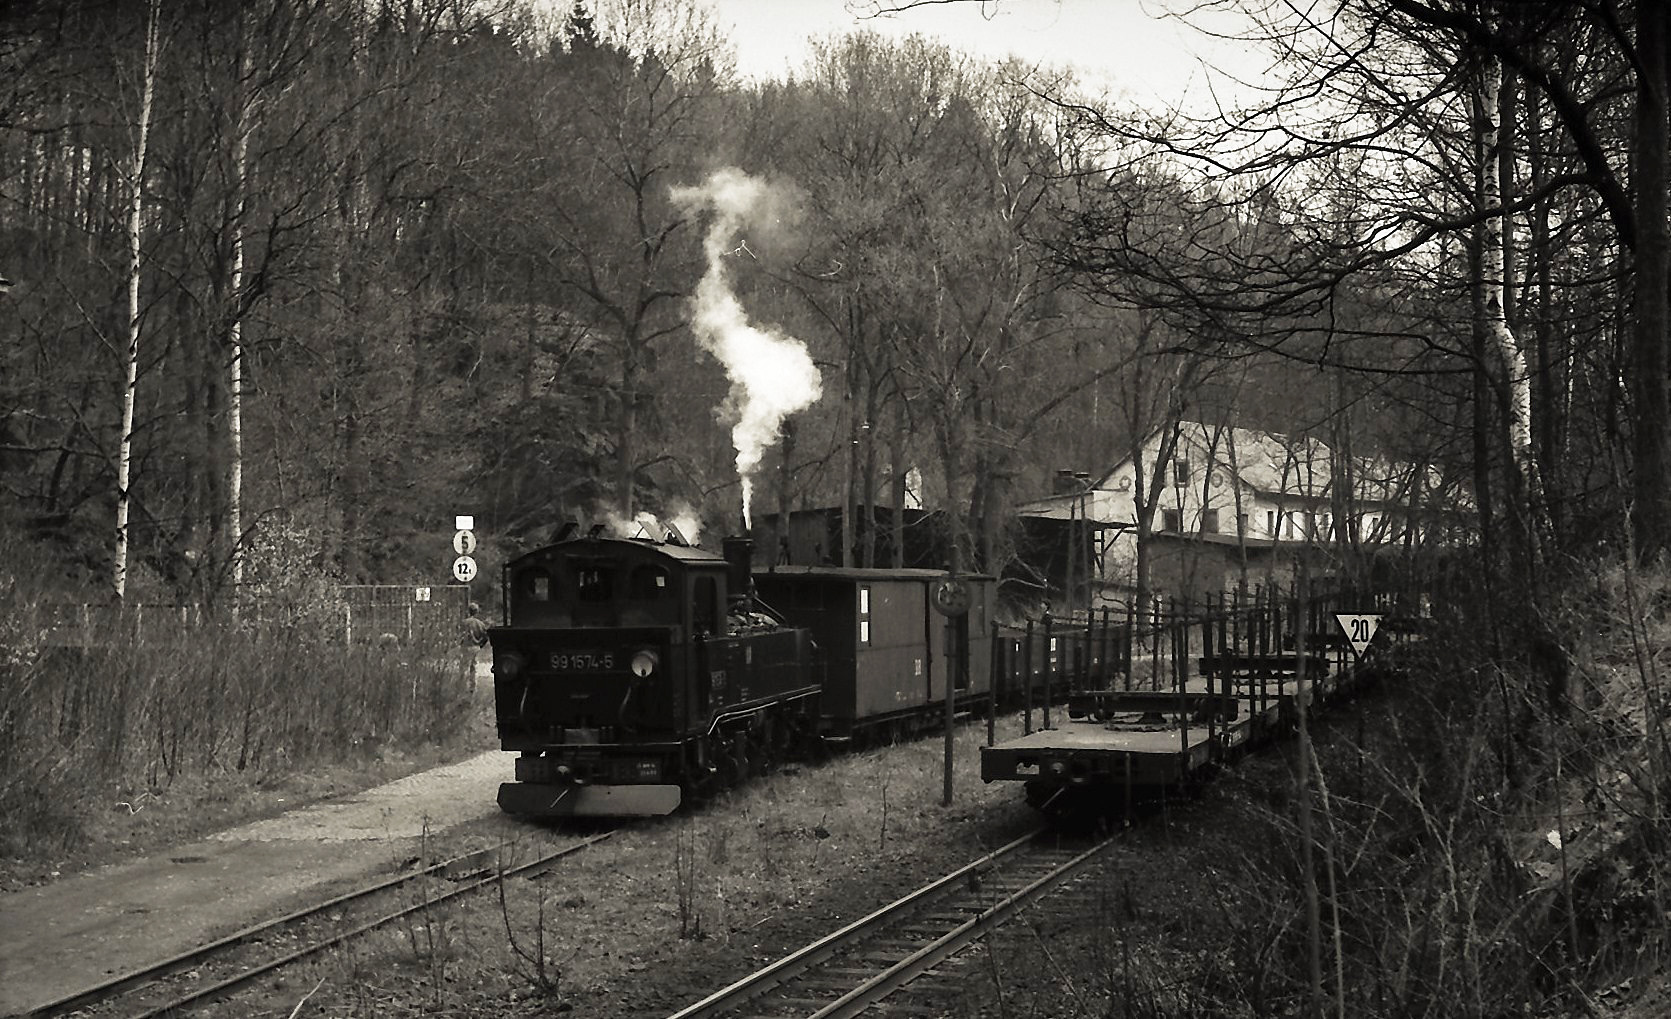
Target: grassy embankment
{"x":1485,"y":835}
{"x":123,"y":735}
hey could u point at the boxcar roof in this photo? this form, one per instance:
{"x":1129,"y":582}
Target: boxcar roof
{"x":682,"y":553}
{"x":861,"y":573}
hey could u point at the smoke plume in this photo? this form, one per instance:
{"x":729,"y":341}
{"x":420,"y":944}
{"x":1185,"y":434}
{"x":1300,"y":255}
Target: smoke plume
{"x":772,"y":375}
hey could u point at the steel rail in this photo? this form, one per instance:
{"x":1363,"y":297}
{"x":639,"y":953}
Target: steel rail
{"x":935,"y":952}
{"x":121,"y":982}
{"x":115,"y":986}
{"x":803,"y":959}
{"x":238,"y":980}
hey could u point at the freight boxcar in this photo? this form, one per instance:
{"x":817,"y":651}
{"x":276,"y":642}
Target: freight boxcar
{"x":885,"y":654}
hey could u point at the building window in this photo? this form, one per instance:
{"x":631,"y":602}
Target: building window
{"x":864,"y":615}
{"x":1270,"y":523}
{"x":1241,"y":525}
{"x":1180,"y":472}
{"x":1209,"y":521}
{"x":1172,"y":520}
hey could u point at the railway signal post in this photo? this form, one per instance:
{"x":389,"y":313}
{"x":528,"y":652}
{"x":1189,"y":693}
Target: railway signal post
{"x":464,"y":543}
{"x":951,"y":599}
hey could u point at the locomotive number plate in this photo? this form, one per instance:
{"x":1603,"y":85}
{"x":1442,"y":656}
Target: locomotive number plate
{"x":582,"y":661}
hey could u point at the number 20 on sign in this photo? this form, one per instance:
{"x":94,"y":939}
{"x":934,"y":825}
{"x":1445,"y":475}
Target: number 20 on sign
{"x":1359,"y":628}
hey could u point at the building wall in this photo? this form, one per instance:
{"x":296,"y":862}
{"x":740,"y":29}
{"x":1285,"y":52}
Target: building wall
{"x":1234,"y":484}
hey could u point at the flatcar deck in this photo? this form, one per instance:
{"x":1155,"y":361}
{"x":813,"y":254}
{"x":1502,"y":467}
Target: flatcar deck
{"x":1085,"y":753}
{"x":1148,"y":738}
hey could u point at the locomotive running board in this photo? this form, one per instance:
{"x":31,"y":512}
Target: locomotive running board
{"x":533,"y":799}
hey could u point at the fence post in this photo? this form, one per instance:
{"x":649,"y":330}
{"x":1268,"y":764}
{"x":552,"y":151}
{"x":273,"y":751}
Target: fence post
{"x":1128,"y":645}
{"x":1086,"y":650}
{"x":1027,"y":667}
{"x":1154,"y":647}
{"x":996,"y":658}
{"x":1049,"y":667}
{"x":1179,"y":631}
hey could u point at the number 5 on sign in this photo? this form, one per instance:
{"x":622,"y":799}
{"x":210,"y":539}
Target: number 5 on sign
{"x":464,"y":569}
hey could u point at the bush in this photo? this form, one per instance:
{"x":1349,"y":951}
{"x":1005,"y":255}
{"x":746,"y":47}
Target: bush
{"x":133,"y":704}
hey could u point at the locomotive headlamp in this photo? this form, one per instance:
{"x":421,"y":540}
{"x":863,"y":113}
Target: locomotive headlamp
{"x":644,"y":663}
{"x":508,"y":665}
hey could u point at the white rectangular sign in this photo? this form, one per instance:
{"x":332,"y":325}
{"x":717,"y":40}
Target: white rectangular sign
{"x":464,"y":523}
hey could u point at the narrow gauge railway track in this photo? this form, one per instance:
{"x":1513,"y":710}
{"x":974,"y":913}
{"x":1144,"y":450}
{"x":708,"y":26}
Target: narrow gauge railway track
{"x":142,"y":994}
{"x":845,"y":973}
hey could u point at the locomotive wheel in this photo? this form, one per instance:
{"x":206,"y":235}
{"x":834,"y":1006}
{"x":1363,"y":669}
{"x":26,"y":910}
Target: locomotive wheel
{"x":732,"y":759}
{"x":762,"y":755}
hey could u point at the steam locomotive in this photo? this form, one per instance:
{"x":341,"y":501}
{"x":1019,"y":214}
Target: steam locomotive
{"x":630,"y":673}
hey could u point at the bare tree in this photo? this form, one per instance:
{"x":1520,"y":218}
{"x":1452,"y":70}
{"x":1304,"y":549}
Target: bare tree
{"x":141,"y":127}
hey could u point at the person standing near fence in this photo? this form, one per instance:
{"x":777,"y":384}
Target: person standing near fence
{"x":475,"y":630}
{"x":474,"y":636}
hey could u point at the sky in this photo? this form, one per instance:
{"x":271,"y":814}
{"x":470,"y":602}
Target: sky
{"x":1124,"y":46}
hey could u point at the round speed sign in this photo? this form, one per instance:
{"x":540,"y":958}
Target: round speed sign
{"x":950,"y":596}
{"x":464,"y":569}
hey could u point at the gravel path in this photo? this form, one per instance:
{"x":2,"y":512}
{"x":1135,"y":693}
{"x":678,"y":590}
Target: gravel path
{"x":70,"y":934}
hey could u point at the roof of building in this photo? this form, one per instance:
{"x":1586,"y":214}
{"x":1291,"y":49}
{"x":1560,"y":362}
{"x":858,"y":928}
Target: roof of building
{"x":1268,"y":463}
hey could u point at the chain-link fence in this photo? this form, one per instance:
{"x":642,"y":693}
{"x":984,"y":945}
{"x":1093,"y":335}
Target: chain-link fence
{"x":349,"y":614}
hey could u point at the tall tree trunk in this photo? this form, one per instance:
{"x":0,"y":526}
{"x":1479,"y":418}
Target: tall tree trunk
{"x":235,"y":328}
{"x":130,"y":384}
{"x":1512,"y":379}
{"x":781,"y":535}
{"x":1650,"y":442}
{"x":626,"y":440}
{"x":849,"y":507}
{"x":899,"y":481}
{"x":951,"y":456}
{"x":1550,"y":409}
{"x":867,"y":434}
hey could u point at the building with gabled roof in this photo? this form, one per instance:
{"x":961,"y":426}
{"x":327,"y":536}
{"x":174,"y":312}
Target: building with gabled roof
{"x":1233,"y":505}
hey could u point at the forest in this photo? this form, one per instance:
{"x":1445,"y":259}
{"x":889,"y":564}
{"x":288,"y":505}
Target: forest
{"x":296,"y":282}
{"x":288,"y":285}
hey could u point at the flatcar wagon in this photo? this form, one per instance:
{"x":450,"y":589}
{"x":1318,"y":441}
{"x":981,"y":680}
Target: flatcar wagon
{"x":1220,"y":678}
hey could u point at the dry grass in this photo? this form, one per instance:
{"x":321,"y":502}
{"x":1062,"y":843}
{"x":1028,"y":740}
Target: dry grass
{"x":669,"y":909}
{"x":1479,"y":849}
{"x":131,"y":736}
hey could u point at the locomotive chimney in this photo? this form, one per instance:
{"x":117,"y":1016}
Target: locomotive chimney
{"x":739,"y":561}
